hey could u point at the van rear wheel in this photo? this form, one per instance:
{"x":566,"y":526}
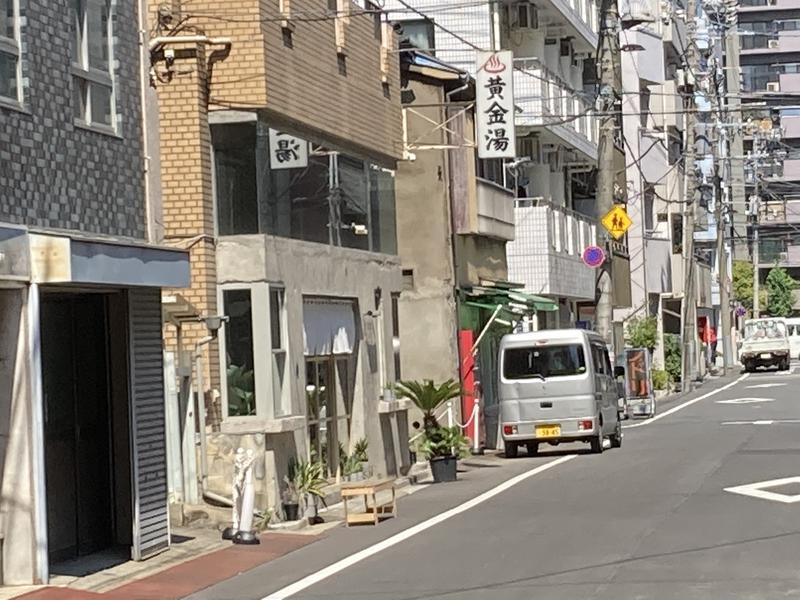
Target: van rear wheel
{"x":597,"y":442}
{"x":512,"y":449}
{"x":532,"y":448}
{"x":616,"y":438}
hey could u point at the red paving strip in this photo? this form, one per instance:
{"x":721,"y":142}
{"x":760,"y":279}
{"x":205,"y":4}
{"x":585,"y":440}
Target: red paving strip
{"x":195,"y":575}
{"x":191,"y":576}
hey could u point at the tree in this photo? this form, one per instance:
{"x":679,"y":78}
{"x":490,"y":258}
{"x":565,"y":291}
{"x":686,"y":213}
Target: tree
{"x":742,"y":277}
{"x":780,"y":292}
{"x":672,"y":356}
{"x":642,"y":332}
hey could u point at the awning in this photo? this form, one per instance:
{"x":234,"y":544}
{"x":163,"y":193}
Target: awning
{"x":329,"y":326}
{"x":44,"y":256}
{"x":512,"y":300}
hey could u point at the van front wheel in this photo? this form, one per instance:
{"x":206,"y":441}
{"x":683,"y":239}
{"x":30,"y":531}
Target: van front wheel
{"x":616,"y":438}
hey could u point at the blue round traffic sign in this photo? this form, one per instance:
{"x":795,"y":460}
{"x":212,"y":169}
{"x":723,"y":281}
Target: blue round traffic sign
{"x":594,"y":256}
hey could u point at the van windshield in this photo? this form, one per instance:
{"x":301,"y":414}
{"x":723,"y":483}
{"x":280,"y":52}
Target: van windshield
{"x":544,"y":361}
{"x":764,"y":329}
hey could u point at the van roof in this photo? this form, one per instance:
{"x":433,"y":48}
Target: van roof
{"x":558,"y":335}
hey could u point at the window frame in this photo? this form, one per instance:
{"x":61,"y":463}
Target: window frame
{"x":85,"y":75}
{"x":281,"y":403}
{"x":12,"y":46}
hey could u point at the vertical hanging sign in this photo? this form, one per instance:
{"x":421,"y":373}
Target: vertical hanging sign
{"x":494,"y":110}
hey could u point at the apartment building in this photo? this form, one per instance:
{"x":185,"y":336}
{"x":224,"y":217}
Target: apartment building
{"x":280,"y":135}
{"x":82,"y":440}
{"x":769,"y":53}
{"x":652,"y":41}
{"x":553,"y":180}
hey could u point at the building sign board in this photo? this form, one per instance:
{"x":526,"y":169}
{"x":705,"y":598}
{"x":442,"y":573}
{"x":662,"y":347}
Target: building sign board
{"x":287,"y":151}
{"x":494,"y":106}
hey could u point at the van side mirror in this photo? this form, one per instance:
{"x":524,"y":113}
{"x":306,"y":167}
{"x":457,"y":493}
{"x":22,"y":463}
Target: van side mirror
{"x":619,"y":372}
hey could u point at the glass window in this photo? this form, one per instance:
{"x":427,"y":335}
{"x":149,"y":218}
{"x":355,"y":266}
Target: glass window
{"x":420,"y":33}
{"x":334,"y":199}
{"x":236,"y":189}
{"x":383,"y":214}
{"x":396,"y":335}
{"x":320,"y":413}
{"x":9,"y":50}
{"x":544,"y":361}
{"x":239,"y":353}
{"x":277,"y":326}
{"x":93,"y":83}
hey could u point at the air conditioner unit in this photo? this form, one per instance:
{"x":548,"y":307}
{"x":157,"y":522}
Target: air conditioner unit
{"x":773,"y":43}
{"x":773,"y":86}
{"x":525,"y":16}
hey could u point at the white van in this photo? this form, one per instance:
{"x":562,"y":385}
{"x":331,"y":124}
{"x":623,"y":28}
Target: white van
{"x":793,"y":331}
{"x":557,"y":386}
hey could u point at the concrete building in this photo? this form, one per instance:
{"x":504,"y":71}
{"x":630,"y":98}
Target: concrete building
{"x":280,"y":136}
{"x":82,"y":440}
{"x":769,"y":54}
{"x":454,"y":219}
{"x":653,"y":38}
{"x":553,"y":180}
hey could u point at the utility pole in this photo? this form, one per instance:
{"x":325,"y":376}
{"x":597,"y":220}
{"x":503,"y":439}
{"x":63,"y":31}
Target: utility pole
{"x":724,"y":332}
{"x":608,"y":53}
{"x":756,"y":253}
{"x":689,"y":305}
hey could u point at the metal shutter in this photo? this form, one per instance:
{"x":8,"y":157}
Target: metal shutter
{"x":150,"y":511}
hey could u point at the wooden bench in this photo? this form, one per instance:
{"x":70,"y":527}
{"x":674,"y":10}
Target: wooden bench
{"x":367,"y":489}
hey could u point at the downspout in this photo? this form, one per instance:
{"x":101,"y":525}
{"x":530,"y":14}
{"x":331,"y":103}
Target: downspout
{"x":144,"y":77}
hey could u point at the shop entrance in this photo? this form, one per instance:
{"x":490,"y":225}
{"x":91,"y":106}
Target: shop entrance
{"x":87,"y":456}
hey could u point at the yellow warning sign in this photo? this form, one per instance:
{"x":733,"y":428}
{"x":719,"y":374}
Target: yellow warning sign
{"x":617,"y":221}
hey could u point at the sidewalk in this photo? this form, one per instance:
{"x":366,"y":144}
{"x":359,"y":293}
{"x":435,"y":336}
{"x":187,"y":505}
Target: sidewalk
{"x":199,"y":559}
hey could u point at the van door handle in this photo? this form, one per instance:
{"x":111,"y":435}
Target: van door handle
{"x":546,"y":404}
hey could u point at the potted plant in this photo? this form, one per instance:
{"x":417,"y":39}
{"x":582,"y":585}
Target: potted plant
{"x":309,"y":482}
{"x":290,"y":500}
{"x":427,"y":396}
{"x":352,"y":469}
{"x":443,"y":446}
{"x":360,"y":453}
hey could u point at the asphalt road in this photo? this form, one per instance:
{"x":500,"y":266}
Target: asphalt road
{"x":652,"y":520}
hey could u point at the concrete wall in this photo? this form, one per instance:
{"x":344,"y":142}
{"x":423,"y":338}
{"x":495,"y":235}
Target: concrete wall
{"x":308,"y":269}
{"x":424,"y":240}
{"x":17,"y":504}
{"x":54,"y":173}
{"x":480,"y":258}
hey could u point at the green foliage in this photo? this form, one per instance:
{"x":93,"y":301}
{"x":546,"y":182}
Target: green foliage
{"x":642,"y":332}
{"x":309,"y":479}
{"x":360,"y":450}
{"x":660,"y":379}
{"x":428,"y":396}
{"x":780,"y":292}
{"x":443,"y":441}
{"x":672,"y":356}
{"x":742,"y":285}
{"x":262,"y":520}
{"x":241,"y":391}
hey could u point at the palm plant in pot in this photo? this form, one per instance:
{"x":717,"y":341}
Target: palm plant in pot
{"x":443,"y":446}
{"x":309,"y":481}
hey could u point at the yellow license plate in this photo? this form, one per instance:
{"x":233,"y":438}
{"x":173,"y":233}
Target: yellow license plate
{"x":548,"y":431}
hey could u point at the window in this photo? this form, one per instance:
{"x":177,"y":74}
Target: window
{"x":543,"y":362}
{"x":277,"y":326}
{"x":239,"y":353}
{"x":334,"y":199}
{"x":396,"y":335}
{"x":420,"y":33}
{"x":330,"y":383}
{"x":602,"y":364}
{"x":236,"y":189}
{"x":677,"y":233}
{"x":10,"y":77}
{"x":92,"y":63}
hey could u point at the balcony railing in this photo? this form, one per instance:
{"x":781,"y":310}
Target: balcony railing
{"x":546,"y":101}
{"x":546,"y":252}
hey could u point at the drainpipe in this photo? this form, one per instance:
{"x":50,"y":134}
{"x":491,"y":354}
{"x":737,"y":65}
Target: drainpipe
{"x":200,"y":409}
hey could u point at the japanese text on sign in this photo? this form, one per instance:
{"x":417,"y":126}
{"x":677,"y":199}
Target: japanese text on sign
{"x":494,"y":111}
{"x":287,"y":151}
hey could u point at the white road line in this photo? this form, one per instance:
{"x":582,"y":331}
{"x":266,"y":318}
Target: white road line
{"x":349,"y":561}
{"x":759,"y":490}
{"x":771,"y":422}
{"x":675,"y":409}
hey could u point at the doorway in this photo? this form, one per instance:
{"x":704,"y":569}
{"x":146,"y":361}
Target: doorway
{"x":87,"y":463}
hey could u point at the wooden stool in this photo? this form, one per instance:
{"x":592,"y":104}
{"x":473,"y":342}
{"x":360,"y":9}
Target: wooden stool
{"x":368,"y":488}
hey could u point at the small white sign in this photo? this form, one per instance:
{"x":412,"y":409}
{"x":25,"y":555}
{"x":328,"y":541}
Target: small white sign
{"x":494,"y":106}
{"x":287,"y":151}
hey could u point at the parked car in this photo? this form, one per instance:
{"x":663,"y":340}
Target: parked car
{"x":557,"y":386}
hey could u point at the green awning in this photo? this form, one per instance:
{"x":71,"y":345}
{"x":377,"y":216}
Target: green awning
{"x":514,"y":301}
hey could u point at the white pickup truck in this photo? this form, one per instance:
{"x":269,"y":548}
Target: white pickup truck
{"x":765,"y":344}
